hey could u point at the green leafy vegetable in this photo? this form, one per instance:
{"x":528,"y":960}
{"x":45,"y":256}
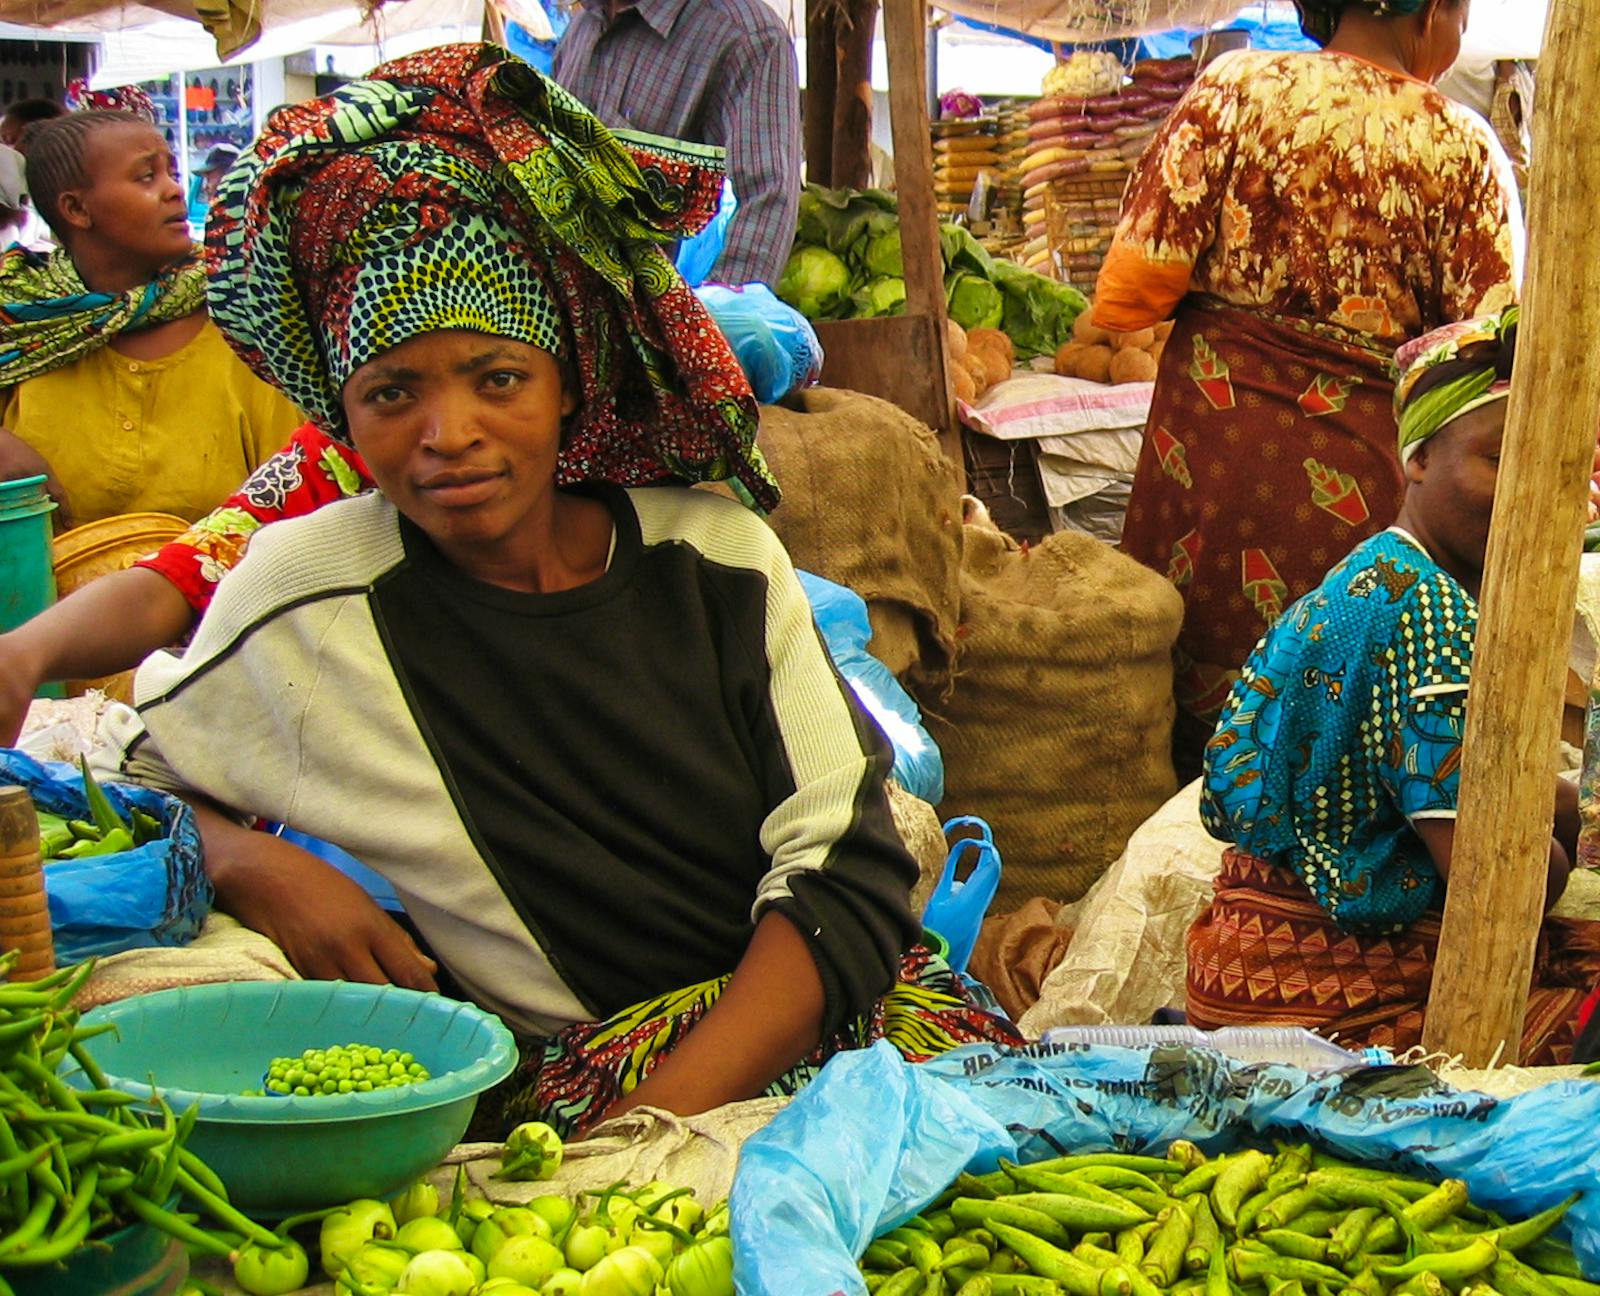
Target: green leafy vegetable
{"x":815,"y":282}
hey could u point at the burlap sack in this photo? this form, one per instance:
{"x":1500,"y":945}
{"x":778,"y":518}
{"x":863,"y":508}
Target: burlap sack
{"x":1058,"y":731}
{"x":921,"y":830}
{"x":870,"y":501}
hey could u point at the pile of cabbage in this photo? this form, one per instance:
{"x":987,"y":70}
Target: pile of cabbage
{"x":846,"y":264}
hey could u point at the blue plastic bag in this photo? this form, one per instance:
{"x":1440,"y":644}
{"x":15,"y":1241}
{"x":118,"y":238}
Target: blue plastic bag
{"x":957,"y":907}
{"x":155,"y":894}
{"x":698,"y":253}
{"x":776,"y":346}
{"x":874,"y":1139}
{"x":841,"y":615}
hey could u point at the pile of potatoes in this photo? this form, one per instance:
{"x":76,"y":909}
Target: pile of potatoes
{"x":979,"y":359}
{"x":1104,"y":357}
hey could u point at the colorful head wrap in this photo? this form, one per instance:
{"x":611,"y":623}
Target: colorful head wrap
{"x":1319,"y":19}
{"x":1475,"y":386}
{"x":128,"y":99}
{"x":460,"y":189}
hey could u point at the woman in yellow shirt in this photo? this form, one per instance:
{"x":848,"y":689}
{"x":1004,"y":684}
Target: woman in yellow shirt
{"x":120,"y":387}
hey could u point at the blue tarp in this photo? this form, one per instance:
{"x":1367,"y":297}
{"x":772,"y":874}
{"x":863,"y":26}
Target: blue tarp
{"x":1265,"y":33}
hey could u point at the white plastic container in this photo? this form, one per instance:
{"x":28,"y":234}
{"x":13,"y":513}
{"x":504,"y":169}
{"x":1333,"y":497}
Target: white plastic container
{"x":1288,"y":1045}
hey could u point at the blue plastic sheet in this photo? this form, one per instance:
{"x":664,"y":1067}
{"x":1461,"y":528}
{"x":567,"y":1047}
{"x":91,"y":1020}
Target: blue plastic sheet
{"x":775,"y":344}
{"x":841,"y":615}
{"x":874,"y":1139}
{"x":697,"y":254}
{"x":155,"y":894}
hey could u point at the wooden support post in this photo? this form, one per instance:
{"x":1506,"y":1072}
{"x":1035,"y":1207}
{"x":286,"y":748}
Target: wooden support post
{"x":1494,"y":901}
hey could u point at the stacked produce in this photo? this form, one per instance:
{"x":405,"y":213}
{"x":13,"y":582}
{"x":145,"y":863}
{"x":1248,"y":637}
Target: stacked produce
{"x":847,"y":264}
{"x":1081,"y":146}
{"x":619,"y":1242}
{"x":1013,"y":146}
{"x":962,"y":151}
{"x":1106,"y":357}
{"x":103,"y":833}
{"x":979,"y":359}
{"x":1298,"y":1222}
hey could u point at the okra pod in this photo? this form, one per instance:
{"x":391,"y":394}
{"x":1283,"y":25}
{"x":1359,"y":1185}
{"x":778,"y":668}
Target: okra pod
{"x":1097,"y":1257}
{"x":1204,"y":1234}
{"x":1163,"y":1258}
{"x":1242,"y":1176}
{"x":1130,"y":1244}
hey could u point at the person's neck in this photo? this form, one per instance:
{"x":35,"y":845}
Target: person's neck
{"x":1379,"y":41}
{"x":104,"y":271}
{"x":563,"y":546}
{"x":1466,"y":572}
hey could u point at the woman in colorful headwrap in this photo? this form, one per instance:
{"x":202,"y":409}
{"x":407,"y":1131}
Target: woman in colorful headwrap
{"x":118,"y":386}
{"x":1336,"y":766}
{"x":588,"y":733}
{"x":1300,"y":215}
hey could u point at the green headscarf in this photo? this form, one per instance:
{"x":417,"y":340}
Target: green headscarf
{"x":1425,"y":416}
{"x":1319,"y":19}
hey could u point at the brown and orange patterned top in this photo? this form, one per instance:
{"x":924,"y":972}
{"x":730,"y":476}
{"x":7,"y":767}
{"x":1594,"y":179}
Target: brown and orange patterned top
{"x":1318,"y":187}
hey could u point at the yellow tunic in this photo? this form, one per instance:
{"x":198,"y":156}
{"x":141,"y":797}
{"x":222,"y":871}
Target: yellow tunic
{"x":173,"y":435}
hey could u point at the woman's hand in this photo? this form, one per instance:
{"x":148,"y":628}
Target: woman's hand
{"x":19,"y":459}
{"x":328,"y":926}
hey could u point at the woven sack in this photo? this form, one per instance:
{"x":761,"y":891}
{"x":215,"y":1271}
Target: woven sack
{"x":871,"y":502}
{"x":1058,"y":730}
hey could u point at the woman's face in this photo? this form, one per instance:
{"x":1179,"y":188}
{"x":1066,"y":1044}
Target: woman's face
{"x":1452,"y":481}
{"x":131,"y":203}
{"x":461,"y":431}
{"x":1441,"y":43}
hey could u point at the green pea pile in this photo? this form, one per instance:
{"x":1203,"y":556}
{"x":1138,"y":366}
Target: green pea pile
{"x":342,"y":1069}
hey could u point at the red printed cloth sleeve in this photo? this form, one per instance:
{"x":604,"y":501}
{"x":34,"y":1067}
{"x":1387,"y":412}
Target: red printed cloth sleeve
{"x":312,"y":470}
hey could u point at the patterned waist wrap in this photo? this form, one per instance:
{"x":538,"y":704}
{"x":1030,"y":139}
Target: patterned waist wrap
{"x":460,"y":189}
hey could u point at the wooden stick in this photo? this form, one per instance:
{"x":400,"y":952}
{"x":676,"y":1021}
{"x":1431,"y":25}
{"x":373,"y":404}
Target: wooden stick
{"x":1494,"y":902}
{"x":905,"y":29}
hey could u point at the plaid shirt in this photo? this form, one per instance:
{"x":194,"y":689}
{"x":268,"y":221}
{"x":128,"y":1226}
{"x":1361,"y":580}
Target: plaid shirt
{"x":719,"y":72}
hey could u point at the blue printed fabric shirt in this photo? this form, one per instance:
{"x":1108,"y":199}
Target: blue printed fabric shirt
{"x":1345,"y":726}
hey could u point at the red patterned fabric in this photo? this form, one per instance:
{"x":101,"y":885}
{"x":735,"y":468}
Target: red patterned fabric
{"x":1269,"y":455}
{"x":1266,"y":954}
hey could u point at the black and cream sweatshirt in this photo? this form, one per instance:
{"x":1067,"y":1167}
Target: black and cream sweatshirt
{"x":584,"y":799}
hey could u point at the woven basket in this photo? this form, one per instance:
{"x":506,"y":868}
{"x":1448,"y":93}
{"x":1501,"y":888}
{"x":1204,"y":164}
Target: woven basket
{"x":1080,"y":219}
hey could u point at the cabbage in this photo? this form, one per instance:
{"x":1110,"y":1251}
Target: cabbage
{"x":814,"y":282}
{"x":882,"y":256}
{"x":885,"y":295}
{"x":973,"y":302}
{"x":1039,"y":312}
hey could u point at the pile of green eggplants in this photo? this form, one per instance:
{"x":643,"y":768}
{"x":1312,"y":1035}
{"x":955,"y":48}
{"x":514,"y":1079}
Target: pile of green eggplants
{"x":1250,"y":1223}
{"x":616,"y":1242}
{"x":78,"y":1164}
{"x":105,"y":832}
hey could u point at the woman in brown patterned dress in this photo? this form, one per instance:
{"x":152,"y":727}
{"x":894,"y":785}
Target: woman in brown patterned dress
{"x":1300,"y":215}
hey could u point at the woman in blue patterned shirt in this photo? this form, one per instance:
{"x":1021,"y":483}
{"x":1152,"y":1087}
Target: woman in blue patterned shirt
{"x":1336,"y":765}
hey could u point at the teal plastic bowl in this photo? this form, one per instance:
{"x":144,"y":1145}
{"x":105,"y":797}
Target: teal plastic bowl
{"x":277,"y":1155}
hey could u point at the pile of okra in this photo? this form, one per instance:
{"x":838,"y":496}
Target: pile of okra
{"x":1298,"y":1223}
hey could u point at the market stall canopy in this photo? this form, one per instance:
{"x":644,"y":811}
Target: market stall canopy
{"x":1497,"y":28}
{"x":240,"y":25}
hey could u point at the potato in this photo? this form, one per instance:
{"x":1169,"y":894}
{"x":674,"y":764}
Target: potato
{"x":1094,"y":363}
{"x":993,"y":337}
{"x":1163,"y":331}
{"x":1067,"y":357}
{"x":999,"y":368}
{"x":1132,"y":366}
{"x":966,"y":389}
{"x":1156,"y":350}
{"x":1135,"y":341}
{"x":1083,"y":330}
{"x":958,"y":339}
{"x":977,"y":370}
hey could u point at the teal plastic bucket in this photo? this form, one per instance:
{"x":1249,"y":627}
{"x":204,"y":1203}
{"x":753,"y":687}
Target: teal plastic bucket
{"x":27,"y":580}
{"x":138,"y":1261}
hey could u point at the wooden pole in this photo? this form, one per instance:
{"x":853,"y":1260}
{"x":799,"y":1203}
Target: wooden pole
{"x":852,"y":108}
{"x":1494,"y":902}
{"x":905,"y":29}
{"x":822,"y":72}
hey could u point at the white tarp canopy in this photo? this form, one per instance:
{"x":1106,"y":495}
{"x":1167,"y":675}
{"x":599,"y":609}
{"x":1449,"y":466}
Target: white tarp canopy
{"x":1497,"y":28}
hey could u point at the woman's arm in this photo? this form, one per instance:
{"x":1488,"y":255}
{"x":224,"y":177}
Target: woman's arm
{"x":768,"y":1018}
{"x":329,"y":927}
{"x":1439,"y":836}
{"x":109,"y":625}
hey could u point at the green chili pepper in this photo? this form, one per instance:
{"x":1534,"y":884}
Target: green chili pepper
{"x":1163,"y":1259}
{"x":1243,"y":1175}
{"x":1514,"y":1278}
{"x":1097,"y":1257}
{"x":1348,"y":1236}
{"x":888,"y":1257}
{"x":1454,"y":1267}
{"x":1217,"y":1283}
{"x":962,"y":1253}
{"x":1012,"y":1284}
{"x":1200,"y":1179}
{"x":1424,"y":1213}
{"x":904,"y":1283}
{"x":1551,"y":1257}
{"x":977,"y":1285}
{"x":1117,"y":1177}
{"x":1203,"y":1233}
{"x":1081,"y":1214}
{"x":969,"y":1212}
{"x":1289,"y":1243}
{"x":1257,"y":1266}
{"x":1289,"y":1206}
{"x":1572,"y":1286}
{"x":1048,"y":1261}
{"x":1424,"y":1284}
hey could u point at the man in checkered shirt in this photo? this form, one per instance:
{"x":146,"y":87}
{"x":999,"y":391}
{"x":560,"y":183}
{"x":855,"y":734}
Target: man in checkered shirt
{"x":717,"y":72}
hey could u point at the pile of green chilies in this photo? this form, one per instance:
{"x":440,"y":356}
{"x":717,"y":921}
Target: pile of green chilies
{"x":1250,"y":1223}
{"x":78,"y":1164}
